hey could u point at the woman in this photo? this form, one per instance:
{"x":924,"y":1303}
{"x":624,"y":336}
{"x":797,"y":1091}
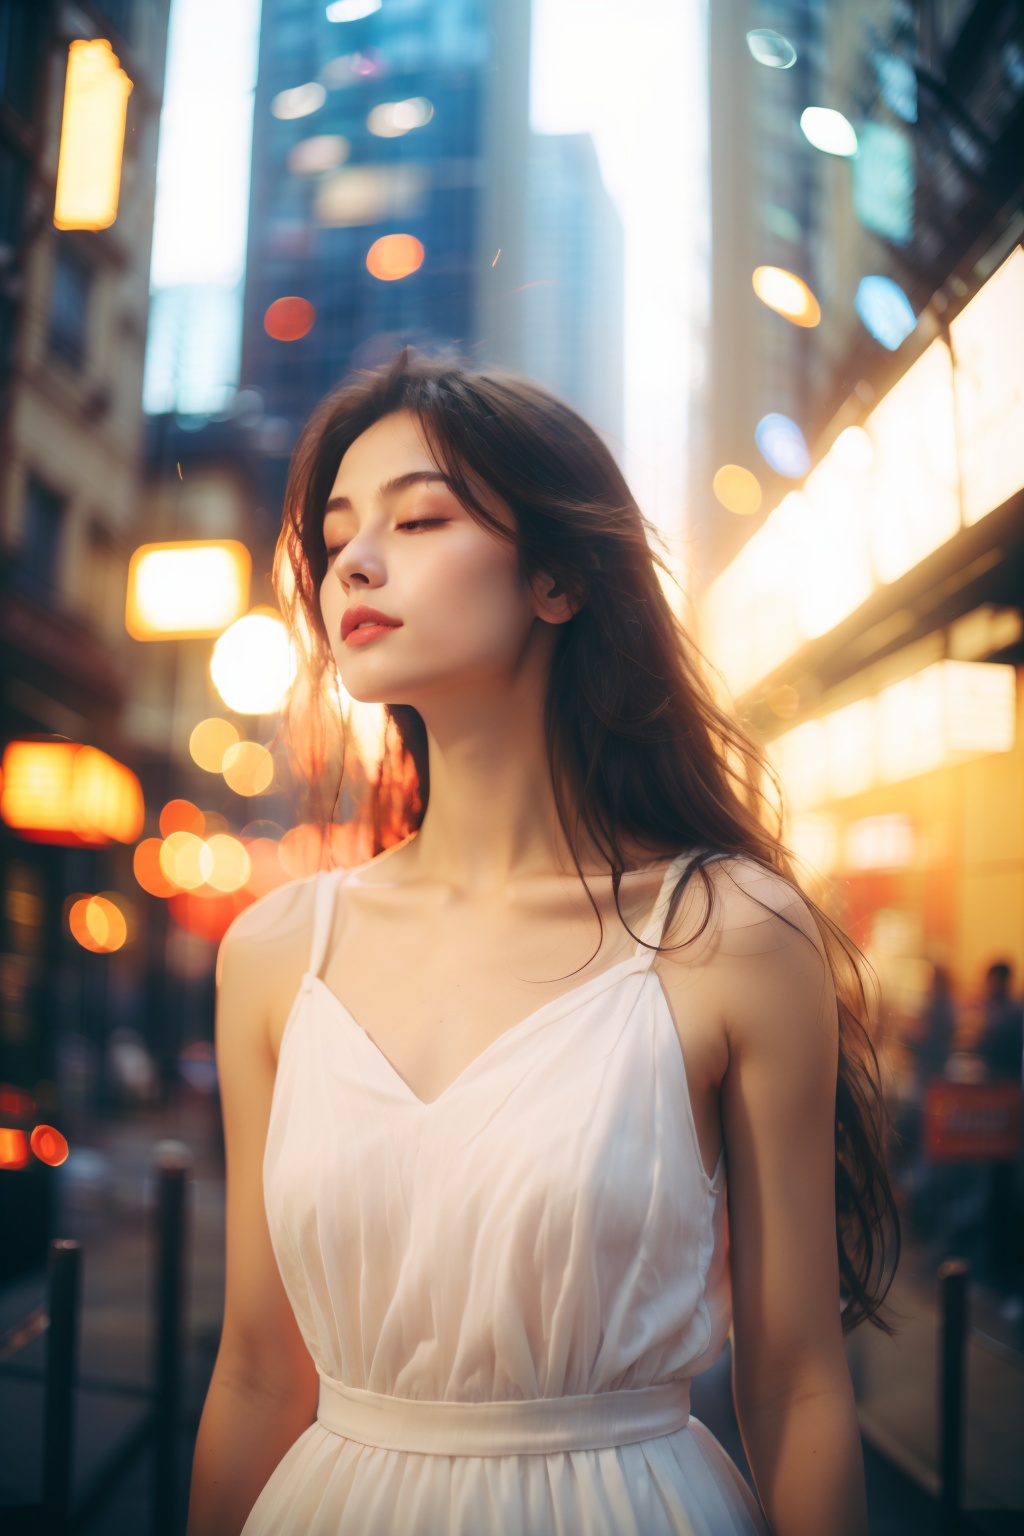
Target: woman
{"x":481,"y":1094}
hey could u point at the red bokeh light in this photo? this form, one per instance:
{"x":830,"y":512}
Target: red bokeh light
{"x":16,"y":1102}
{"x":206,"y":913}
{"x":49,"y":1145}
{"x":289,"y":319}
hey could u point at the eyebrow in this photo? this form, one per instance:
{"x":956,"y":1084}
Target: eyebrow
{"x":391,"y":487}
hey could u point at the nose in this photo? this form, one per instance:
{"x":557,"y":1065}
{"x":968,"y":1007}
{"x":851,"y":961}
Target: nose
{"x":359,"y":565}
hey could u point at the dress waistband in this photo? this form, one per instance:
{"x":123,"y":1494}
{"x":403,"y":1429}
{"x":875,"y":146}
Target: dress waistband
{"x":537,"y":1427}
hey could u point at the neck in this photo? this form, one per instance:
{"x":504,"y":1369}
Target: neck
{"x":492,"y":814}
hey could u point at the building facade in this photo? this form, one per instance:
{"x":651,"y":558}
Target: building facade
{"x":573,"y":294}
{"x":407,"y":125}
{"x":903,"y":547}
{"x":73,"y":311}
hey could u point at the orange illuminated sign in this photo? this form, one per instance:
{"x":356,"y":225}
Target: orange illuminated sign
{"x":96,"y":91}
{"x":60,"y":792}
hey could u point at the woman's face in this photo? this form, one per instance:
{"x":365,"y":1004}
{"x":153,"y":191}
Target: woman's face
{"x":456,"y":613}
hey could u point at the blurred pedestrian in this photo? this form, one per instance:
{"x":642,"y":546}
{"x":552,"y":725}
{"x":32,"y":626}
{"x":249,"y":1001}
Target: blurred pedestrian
{"x":933,"y":1043}
{"x":1001,"y":1045}
{"x":1001,"y":1048}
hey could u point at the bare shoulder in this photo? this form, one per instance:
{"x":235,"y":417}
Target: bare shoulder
{"x":736,"y":905}
{"x":749,"y":940}
{"x":262,"y":959}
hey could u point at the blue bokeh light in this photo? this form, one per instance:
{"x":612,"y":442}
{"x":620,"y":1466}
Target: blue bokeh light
{"x":885,"y":311}
{"x":782,"y":446}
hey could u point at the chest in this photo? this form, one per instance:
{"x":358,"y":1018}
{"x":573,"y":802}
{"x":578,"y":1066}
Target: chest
{"x":435,"y":989}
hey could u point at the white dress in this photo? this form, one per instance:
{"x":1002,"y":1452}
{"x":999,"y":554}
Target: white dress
{"x":507,"y":1290}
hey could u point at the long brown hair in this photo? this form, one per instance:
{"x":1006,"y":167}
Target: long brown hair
{"x":640,"y":752}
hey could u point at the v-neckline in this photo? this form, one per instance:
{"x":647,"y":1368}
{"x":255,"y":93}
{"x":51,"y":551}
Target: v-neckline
{"x":537,"y":1016}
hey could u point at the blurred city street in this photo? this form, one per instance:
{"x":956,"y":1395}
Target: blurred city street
{"x":772,"y":251}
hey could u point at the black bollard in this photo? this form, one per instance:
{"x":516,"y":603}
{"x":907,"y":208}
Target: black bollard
{"x":61,"y":1369}
{"x":172,"y":1167}
{"x":954,"y":1276}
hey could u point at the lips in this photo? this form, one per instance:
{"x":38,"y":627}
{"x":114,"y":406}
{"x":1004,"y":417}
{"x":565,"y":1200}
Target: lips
{"x":368,"y":621}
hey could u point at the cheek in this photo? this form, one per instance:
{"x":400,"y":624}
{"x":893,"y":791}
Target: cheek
{"x":476,"y":585}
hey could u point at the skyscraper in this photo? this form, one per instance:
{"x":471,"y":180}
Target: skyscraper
{"x":388,"y":190}
{"x":573,"y":298}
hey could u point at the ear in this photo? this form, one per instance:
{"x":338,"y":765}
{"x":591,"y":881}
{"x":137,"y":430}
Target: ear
{"x":551,"y":601}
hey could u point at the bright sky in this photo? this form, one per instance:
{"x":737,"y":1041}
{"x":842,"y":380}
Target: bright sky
{"x":202,"y":177}
{"x":631,"y":75}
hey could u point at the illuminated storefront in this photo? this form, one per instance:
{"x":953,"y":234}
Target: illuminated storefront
{"x":870,"y":631}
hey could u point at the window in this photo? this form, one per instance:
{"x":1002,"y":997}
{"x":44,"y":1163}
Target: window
{"x":40,"y":537}
{"x":69,"y":306}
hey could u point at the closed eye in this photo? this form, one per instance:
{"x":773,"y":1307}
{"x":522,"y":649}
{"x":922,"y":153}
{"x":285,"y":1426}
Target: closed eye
{"x":424,"y":522}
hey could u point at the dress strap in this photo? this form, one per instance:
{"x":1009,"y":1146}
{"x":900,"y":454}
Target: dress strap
{"x":324,"y":887}
{"x":654,"y":931}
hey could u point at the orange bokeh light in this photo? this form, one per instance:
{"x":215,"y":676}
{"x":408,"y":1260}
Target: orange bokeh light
{"x":393,"y":257}
{"x":148,"y":872}
{"x":14,"y":1151}
{"x":182,"y":816}
{"x":98,"y":924}
{"x":289,"y":319}
{"x":61,"y":792}
{"x":49,"y":1146}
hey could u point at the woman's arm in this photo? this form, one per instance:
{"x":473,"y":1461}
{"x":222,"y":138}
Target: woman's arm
{"x":794,"y":1398}
{"x":263,"y":1392}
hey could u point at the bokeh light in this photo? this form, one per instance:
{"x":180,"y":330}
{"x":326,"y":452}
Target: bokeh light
{"x":182,"y":816}
{"x":231,"y":865}
{"x":14,"y":1148}
{"x":96,"y":91}
{"x":393,"y":257}
{"x":209,"y":741}
{"x":787,"y":294}
{"x":351,"y":10}
{"x":148,"y":872}
{"x":782,"y":446}
{"x":248,"y":768}
{"x":884,"y":310}
{"x":737,"y":489}
{"x":390,"y":119}
{"x":193,"y":587}
{"x":322,"y":152}
{"x":254,"y":664}
{"x":60,"y":792}
{"x":97,"y":924}
{"x":829,"y":131}
{"x":771,"y":49}
{"x":300,"y":101}
{"x":207,"y":914}
{"x":186,"y":860}
{"x":289,"y":318}
{"x":49,"y":1146}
